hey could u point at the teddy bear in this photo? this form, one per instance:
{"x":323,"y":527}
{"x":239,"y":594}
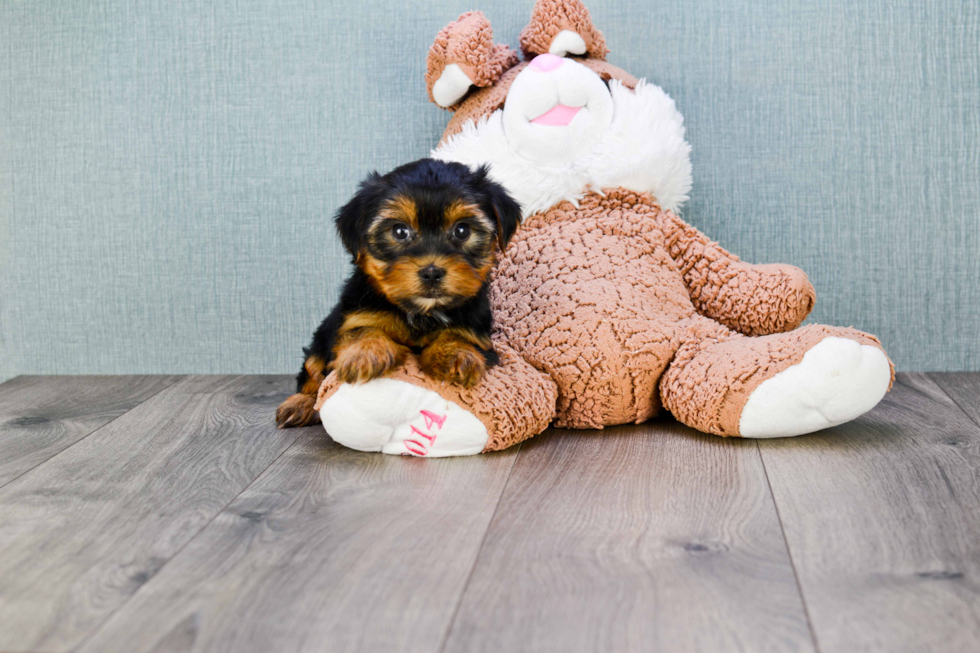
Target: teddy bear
{"x":608,"y":307}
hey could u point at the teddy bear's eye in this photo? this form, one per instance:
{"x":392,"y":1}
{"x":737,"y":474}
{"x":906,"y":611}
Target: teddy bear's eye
{"x":401,"y":232}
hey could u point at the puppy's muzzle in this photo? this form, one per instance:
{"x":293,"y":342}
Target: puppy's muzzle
{"x":432,"y":275}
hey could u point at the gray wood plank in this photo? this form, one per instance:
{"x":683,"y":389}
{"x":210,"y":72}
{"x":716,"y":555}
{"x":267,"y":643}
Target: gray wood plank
{"x":83,"y":531}
{"x":41,"y":416}
{"x":882,"y":517}
{"x":639,"y":538}
{"x":330,"y":550}
{"x":963,"y":388}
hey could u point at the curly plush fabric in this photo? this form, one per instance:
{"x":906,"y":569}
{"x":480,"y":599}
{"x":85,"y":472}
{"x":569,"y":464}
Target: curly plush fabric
{"x":550,"y":17}
{"x":751,"y":299}
{"x":513,"y":402}
{"x":588,"y":295}
{"x":602,"y":298}
{"x":468,"y":43}
{"x":714,"y":373}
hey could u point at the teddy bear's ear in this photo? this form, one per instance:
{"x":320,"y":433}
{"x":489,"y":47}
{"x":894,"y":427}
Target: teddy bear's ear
{"x":562,"y":27}
{"x":465,"y":55}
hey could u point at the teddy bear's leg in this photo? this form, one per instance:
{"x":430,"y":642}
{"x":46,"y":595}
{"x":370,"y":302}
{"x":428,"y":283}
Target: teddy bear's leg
{"x":409,"y":413}
{"x":775,"y":386}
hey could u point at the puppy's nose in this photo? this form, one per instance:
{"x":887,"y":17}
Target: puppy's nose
{"x":546,"y":62}
{"x":432,"y":274}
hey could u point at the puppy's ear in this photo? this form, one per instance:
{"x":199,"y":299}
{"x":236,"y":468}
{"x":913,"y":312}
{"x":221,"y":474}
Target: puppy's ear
{"x":504,"y":209}
{"x":352,"y":217}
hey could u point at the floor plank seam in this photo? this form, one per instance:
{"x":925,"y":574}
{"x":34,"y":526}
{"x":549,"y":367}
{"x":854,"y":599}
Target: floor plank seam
{"x":789,"y":552}
{"x":108,"y":618}
{"x":479,"y":550}
{"x":929,"y":375}
{"x":177,"y":380}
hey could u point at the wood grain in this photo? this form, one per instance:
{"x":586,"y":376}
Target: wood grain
{"x":83,"y":531}
{"x":42,"y":415}
{"x":882,"y":517}
{"x":330,"y":550}
{"x":642,"y":538}
{"x":964,"y":389}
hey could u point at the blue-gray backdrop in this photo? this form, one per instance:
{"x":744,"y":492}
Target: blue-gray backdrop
{"x":168,"y":169}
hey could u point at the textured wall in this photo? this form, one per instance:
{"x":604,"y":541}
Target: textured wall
{"x":168,"y":169}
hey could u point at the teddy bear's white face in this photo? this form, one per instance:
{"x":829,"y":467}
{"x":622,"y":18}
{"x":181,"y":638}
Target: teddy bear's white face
{"x":562,"y":133}
{"x":556,"y":111}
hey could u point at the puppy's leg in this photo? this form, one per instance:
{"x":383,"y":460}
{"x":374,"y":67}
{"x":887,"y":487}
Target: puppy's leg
{"x":369,"y":343}
{"x":366,"y":353}
{"x":298,"y":410}
{"x":457,"y":355}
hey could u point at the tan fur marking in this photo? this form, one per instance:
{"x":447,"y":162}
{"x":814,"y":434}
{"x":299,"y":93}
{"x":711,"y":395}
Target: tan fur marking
{"x":390,"y":324}
{"x":459,"y":210}
{"x":460,"y":334}
{"x":297,"y":410}
{"x":400,"y":282}
{"x":314,"y":365}
{"x":453,"y":357}
{"x":370,"y":343}
{"x":367,"y":354}
{"x":316,"y":369}
{"x":373,"y":268}
{"x":404,"y":209}
{"x":461,"y":280}
{"x":312,"y":385}
{"x":484,"y":270}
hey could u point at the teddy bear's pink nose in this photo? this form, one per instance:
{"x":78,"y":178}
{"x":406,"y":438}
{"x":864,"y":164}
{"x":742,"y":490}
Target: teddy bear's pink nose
{"x":546,"y":62}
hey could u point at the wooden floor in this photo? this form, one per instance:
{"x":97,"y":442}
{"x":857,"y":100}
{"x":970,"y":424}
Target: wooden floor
{"x":169,"y":514}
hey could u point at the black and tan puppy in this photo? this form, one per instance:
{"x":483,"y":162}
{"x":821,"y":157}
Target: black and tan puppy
{"x":424,"y":238}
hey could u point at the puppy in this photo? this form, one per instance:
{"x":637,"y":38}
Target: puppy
{"x":423,"y":238}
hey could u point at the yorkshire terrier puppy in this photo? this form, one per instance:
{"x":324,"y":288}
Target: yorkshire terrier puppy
{"x":423,"y":238}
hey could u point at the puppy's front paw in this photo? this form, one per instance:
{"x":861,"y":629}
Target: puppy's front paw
{"x":368,"y":358}
{"x":454,"y":362}
{"x":297,"y":410}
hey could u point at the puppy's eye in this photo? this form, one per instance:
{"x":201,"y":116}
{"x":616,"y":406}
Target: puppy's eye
{"x":401,"y":233}
{"x":461,"y":231}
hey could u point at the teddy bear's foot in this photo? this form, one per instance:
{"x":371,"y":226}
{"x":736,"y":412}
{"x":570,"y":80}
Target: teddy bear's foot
{"x":408,"y":412}
{"x":773,"y":386}
{"x":398,"y":417}
{"x":837,"y":380}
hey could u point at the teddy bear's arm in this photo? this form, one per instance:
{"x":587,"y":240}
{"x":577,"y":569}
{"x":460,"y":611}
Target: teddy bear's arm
{"x":755,"y":300}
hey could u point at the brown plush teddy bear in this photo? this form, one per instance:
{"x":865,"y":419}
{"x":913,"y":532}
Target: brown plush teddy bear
{"x":607,"y":306}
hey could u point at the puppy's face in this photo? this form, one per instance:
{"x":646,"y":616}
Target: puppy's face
{"x":427,"y":233}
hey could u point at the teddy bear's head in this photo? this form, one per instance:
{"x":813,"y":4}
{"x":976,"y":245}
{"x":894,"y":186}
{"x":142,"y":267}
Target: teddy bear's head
{"x":560,"y":123}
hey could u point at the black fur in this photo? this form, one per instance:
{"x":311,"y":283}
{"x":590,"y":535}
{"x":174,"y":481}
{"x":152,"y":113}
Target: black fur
{"x":432,"y":185}
{"x":499,"y":204}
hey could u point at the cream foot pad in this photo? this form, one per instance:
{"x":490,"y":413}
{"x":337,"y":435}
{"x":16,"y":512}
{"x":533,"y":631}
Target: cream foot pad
{"x":396,"y":417}
{"x":837,"y":380}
